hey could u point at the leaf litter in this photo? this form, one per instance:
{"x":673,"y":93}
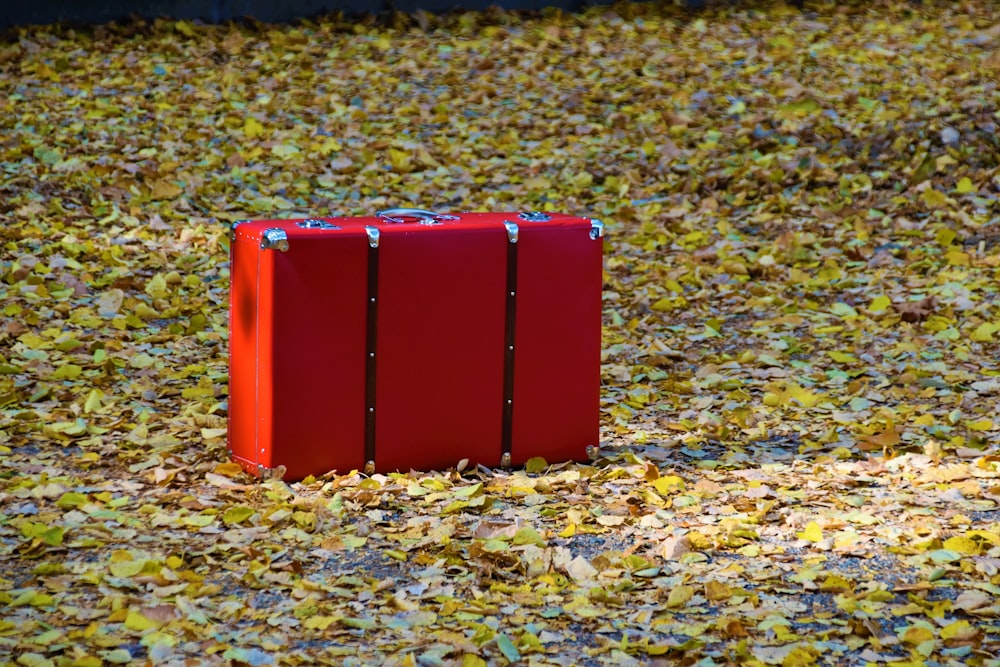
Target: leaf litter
{"x":799,"y":372}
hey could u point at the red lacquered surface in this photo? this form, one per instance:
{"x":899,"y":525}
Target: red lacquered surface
{"x":318,"y":354}
{"x":242,"y":435}
{"x":558,"y":341}
{"x":440,"y":346}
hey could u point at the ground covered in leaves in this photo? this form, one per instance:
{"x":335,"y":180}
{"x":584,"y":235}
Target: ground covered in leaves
{"x":800,"y":369}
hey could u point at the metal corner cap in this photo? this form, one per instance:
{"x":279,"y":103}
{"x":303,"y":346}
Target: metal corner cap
{"x":596,"y":228}
{"x":373,"y":236}
{"x":274,"y":239}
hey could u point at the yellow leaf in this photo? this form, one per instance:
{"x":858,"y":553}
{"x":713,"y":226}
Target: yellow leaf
{"x":663,"y":305}
{"x":980,"y":425}
{"x":252,"y":128}
{"x":668,"y":484}
{"x":237,"y":514}
{"x":812,"y":533}
{"x":88,"y":661}
{"x":470,"y":660}
{"x":141,"y":360}
{"x":842,"y":357}
{"x":960,"y":630}
{"x":401,"y":161}
{"x":800,"y":656}
{"x":957,"y":258}
{"x":984,"y":332}
{"x":67,"y":372}
{"x":699,"y":541}
{"x":128,"y":568}
{"x":879,"y":303}
{"x":139,"y":622}
{"x":157,"y":286}
{"x":992,"y":538}
{"x":583,"y":179}
{"x":320,"y":622}
{"x":965,"y":186}
{"x":945,"y":236}
{"x":165,"y":189}
{"x":93,"y":403}
{"x":933,"y":198}
{"x":717,"y":590}
{"x":963,"y":545}
{"x":535,"y":465}
{"x":184,"y":28}
{"x":569,"y":531}
{"x":679,"y":596}
{"x":917,"y":634}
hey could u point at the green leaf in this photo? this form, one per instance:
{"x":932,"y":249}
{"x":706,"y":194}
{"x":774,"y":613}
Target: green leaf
{"x":508,"y":648}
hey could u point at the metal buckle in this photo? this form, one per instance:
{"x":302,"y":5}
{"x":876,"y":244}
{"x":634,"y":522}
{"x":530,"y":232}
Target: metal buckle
{"x":535,"y":216}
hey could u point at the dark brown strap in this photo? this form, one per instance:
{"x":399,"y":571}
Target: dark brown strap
{"x":371,"y":324}
{"x":506,"y":438}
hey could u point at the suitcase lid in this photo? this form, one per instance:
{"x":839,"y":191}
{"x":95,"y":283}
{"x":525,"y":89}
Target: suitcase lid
{"x":277,"y":234}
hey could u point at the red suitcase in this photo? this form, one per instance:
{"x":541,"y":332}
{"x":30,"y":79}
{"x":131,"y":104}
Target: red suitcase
{"x":414,"y":340}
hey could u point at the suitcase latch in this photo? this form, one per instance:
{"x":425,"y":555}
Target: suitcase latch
{"x":535,"y":216}
{"x":274,"y":239}
{"x":312,"y":223}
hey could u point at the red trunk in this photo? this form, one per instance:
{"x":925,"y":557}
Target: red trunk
{"x":413,"y":341}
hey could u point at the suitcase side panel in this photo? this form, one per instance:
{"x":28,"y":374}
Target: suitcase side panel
{"x":318,"y":352}
{"x":242,"y":434}
{"x":440,"y":347}
{"x":558,"y":342}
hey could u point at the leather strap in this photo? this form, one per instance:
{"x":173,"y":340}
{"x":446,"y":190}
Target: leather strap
{"x":506,"y":441}
{"x":370,"y":344}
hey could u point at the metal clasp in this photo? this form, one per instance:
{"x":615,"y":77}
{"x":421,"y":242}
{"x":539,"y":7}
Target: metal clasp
{"x":535,"y":216}
{"x":373,"y":236}
{"x":274,"y":239}
{"x":313,"y":223}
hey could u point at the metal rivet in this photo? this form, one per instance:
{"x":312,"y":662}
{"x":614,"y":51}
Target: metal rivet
{"x":510,"y":401}
{"x":369,"y":410}
{"x":373,"y":299}
{"x":371,"y":354}
{"x":512,"y":294}
{"x":510,"y":347}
